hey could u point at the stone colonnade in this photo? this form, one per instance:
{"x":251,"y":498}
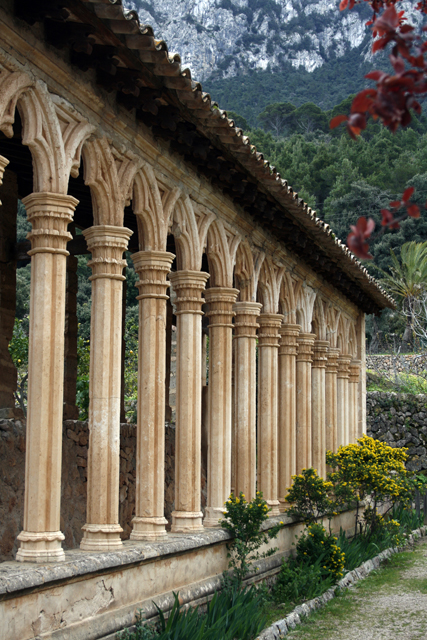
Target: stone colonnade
{"x":293,"y":393}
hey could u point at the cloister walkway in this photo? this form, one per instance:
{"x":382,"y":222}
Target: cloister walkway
{"x":390,"y":604}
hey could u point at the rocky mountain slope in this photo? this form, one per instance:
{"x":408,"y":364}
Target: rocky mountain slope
{"x":229,"y":36}
{"x":297,"y":50}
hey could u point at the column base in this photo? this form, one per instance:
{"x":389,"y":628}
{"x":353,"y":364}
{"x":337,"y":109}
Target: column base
{"x":283,"y":506}
{"x":40,"y":547}
{"x":101,"y":537}
{"x":187,"y":522}
{"x":145,"y":528}
{"x":213,"y":515}
{"x":274,"y":506}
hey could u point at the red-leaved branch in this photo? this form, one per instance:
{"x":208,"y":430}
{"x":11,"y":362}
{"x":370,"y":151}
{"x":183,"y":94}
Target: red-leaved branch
{"x":391,"y":101}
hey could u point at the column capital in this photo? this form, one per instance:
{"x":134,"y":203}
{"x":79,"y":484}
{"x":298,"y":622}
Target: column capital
{"x":152,"y":268}
{"x":288,"y":344}
{"x":332,"y":363}
{"x":305,"y":347}
{"x":320,"y":349}
{"x":49,"y":214}
{"x":220,"y":310}
{"x":269,"y":325}
{"x":246,"y":319}
{"x":343,"y":366}
{"x":107,"y":244}
{"x":3,"y":164}
{"x":355,"y":370}
{"x":188,"y":286}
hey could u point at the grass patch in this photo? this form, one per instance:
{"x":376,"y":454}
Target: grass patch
{"x":349,"y":608}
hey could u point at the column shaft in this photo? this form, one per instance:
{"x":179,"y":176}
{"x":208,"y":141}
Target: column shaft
{"x":361,"y":355}
{"x":8,"y":216}
{"x":71,"y":411}
{"x":353,"y":400}
{"x":287,"y":427}
{"x":318,"y":406}
{"x":152,"y":268}
{"x":303,"y":371}
{"x":220,"y":302}
{"x":331,"y":399}
{"x":245,"y":326}
{"x":342,"y":400}
{"x":102,"y":529}
{"x":188,"y":286}
{"x":268,"y":346}
{"x":49,"y":215}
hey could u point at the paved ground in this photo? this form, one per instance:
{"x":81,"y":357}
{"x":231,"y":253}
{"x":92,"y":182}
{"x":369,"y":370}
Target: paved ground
{"x":391,"y":604}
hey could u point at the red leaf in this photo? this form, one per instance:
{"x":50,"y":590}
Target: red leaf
{"x":380,"y":44}
{"x":388,"y":219}
{"x":335,"y":122}
{"x":407,"y":194}
{"x":375,"y":75}
{"x":395,"y":204}
{"x":363,"y":100}
{"x":413,"y":210}
{"x":358,"y":247}
{"x":343,"y":5}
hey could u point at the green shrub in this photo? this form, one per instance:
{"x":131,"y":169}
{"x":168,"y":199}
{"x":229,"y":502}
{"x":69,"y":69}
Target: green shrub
{"x":298,"y":582}
{"x":243,"y":520}
{"x":310,"y":497}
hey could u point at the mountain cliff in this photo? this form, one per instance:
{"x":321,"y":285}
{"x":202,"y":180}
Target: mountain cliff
{"x":249,"y":53}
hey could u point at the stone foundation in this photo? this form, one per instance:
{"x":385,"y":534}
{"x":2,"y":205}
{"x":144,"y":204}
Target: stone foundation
{"x":91,"y":596}
{"x":74,"y":481}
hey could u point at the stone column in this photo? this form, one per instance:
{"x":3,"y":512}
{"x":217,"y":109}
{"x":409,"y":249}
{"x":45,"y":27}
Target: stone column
{"x":287,"y":426}
{"x":245,"y":327}
{"x":303,"y":377}
{"x":268,"y":346}
{"x":353,"y":400}
{"x":220,"y":301}
{"x":152,"y":268}
{"x":8,"y":213}
{"x":49,"y":214}
{"x":318,"y":407}
{"x":106,"y":244}
{"x":361,"y":355}
{"x":188,"y":286}
{"x":342,"y":400}
{"x":331,"y":399}
{"x":71,"y":411}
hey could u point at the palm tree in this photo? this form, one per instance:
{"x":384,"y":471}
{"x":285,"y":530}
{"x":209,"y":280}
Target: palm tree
{"x":407,"y":281}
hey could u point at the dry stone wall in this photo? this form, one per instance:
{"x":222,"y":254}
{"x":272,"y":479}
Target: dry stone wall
{"x":402,"y":363}
{"x":74,"y":480}
{"x":400,"y":420}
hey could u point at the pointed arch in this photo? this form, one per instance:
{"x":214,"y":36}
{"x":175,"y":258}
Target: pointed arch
{"x":186,"y":234}
{"x":270,"y":280}
{"x":342,"y":337}
{"x":352,"y":343}
{"x":287,"y":305}
{"x":304,"y":298}
{"x":318,"y":324}
{"x":52,"y":129}
{"x":332,"y":318}
{"x":152,"y":216}
{"x":244,"y":273}
{"x":110,"y":177}
{"x":220,"y":256}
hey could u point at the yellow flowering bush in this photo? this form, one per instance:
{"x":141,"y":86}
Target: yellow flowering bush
{"x":315,"y":545}
{"x":369,"y":471}
{"x":243,"y":520}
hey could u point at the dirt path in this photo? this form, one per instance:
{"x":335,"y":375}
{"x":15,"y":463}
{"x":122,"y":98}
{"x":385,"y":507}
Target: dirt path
{"x":390,"y":604}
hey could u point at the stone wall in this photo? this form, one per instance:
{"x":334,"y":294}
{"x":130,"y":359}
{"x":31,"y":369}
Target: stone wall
{"x":402,"y":363}
{"x":400,"y":420}
{"x":74,"y":480}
